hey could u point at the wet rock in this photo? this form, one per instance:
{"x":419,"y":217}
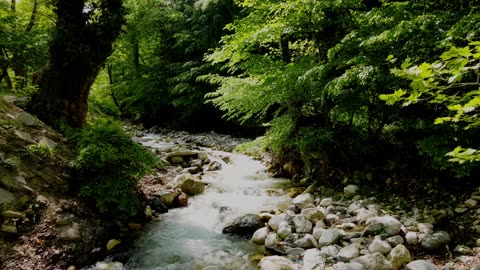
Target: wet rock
{"x":70,"y":232}
{"x":276,"y":263}
{"x":158,"y":206}
{"x":374,"y":261}
{"x":176,"y":160}
{"x":347,"y":253}
{"x":302,"y":224}
{"x":245,"y":225}
{"x":202,"y":156}
{"x":167,"y":197}
{"x":134,"y":226}
{"x":303,"y":199}
{"x":436,"y":240}
{"x":313,"y":259}
{"x":421,"y":265}
{"x":182,"y":200}
{"x":148,"y":212}
{"x":329,"y":237}
{"x":399,"y":256}
{"x":192,"y":187}
{"x":214,"y":166}
{"x":260,"y":235}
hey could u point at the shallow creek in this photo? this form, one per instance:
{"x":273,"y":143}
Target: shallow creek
{"x":190,"y":238}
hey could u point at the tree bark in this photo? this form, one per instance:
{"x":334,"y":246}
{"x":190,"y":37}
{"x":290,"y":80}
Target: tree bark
{"x":78,"y":51}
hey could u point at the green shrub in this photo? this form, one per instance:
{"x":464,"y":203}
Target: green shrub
{"x":111,"y":165}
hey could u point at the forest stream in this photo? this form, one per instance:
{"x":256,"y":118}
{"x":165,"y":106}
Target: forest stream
{"x":191,"y":237}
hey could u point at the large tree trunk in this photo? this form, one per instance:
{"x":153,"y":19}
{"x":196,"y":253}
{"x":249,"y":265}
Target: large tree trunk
{"x":78,"y":51}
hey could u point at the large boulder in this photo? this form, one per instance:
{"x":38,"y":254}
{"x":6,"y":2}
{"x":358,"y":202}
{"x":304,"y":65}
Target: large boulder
{"x":436,"y":240}
{"x":167,"y":197}
{"x":245,"y":225}
{"x":192,"y":187}
{"x":276,"y":263}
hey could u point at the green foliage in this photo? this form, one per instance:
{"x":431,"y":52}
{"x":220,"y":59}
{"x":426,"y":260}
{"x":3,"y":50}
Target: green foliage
{"x":253,"y":148}
{"x":41,"y":149}
{"x":111,"y":165}
{"x":453,"y":83}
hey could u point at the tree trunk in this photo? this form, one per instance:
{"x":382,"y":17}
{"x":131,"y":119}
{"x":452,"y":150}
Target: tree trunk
{"x":78,"y":51}
{"x":13,"y":5}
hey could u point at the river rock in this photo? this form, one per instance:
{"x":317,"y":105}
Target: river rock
{"x":411,"y":238}
{"x":329,"y":237}
{"x":302,"y":224}
{"x":276,"y":263}
{"x":158,"y":206}
{"x":112,"y":243}
{"x":347,"y":253}
{"x":260,"y":235}
{"x":331,"y":251}
{"x":182,"y":200}
{"x":167,"y":197}
{"x":348,"y":266}
{"x":245,"y":225}
{"x":317,"y":232}
{"x":436,"y":240}
{"x":192,"y":187}
{"x":421,"y":265}
{"x":303,"y":199}
{"x":313,"y":214}
{"x":391,"y":226}
{"x":202,"y":156}
{"x":284,"y":230}
{"x":275,"y":221}
{"x":399,"y":256}
{"x":48,"y":142}
{"x":395,"y":240}
{"x":313,"y":259}
{"x":271,"y":239}
{"x":471,"y":203}
{"x":379,"y":246}
{"x":306,"y":242}
{"x":356,"y":205}
{"x":374,"y":261}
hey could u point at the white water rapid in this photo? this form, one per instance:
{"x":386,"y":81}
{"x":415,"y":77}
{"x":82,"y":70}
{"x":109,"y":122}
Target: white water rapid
{"x":190,"y":238}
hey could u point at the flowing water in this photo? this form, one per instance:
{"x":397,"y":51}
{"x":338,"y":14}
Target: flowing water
{"x":190,"y":238}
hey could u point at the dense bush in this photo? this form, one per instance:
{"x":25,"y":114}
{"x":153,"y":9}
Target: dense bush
{"x":110,"y":164}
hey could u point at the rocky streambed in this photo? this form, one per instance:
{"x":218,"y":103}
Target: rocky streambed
{"x":217,"y":210}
